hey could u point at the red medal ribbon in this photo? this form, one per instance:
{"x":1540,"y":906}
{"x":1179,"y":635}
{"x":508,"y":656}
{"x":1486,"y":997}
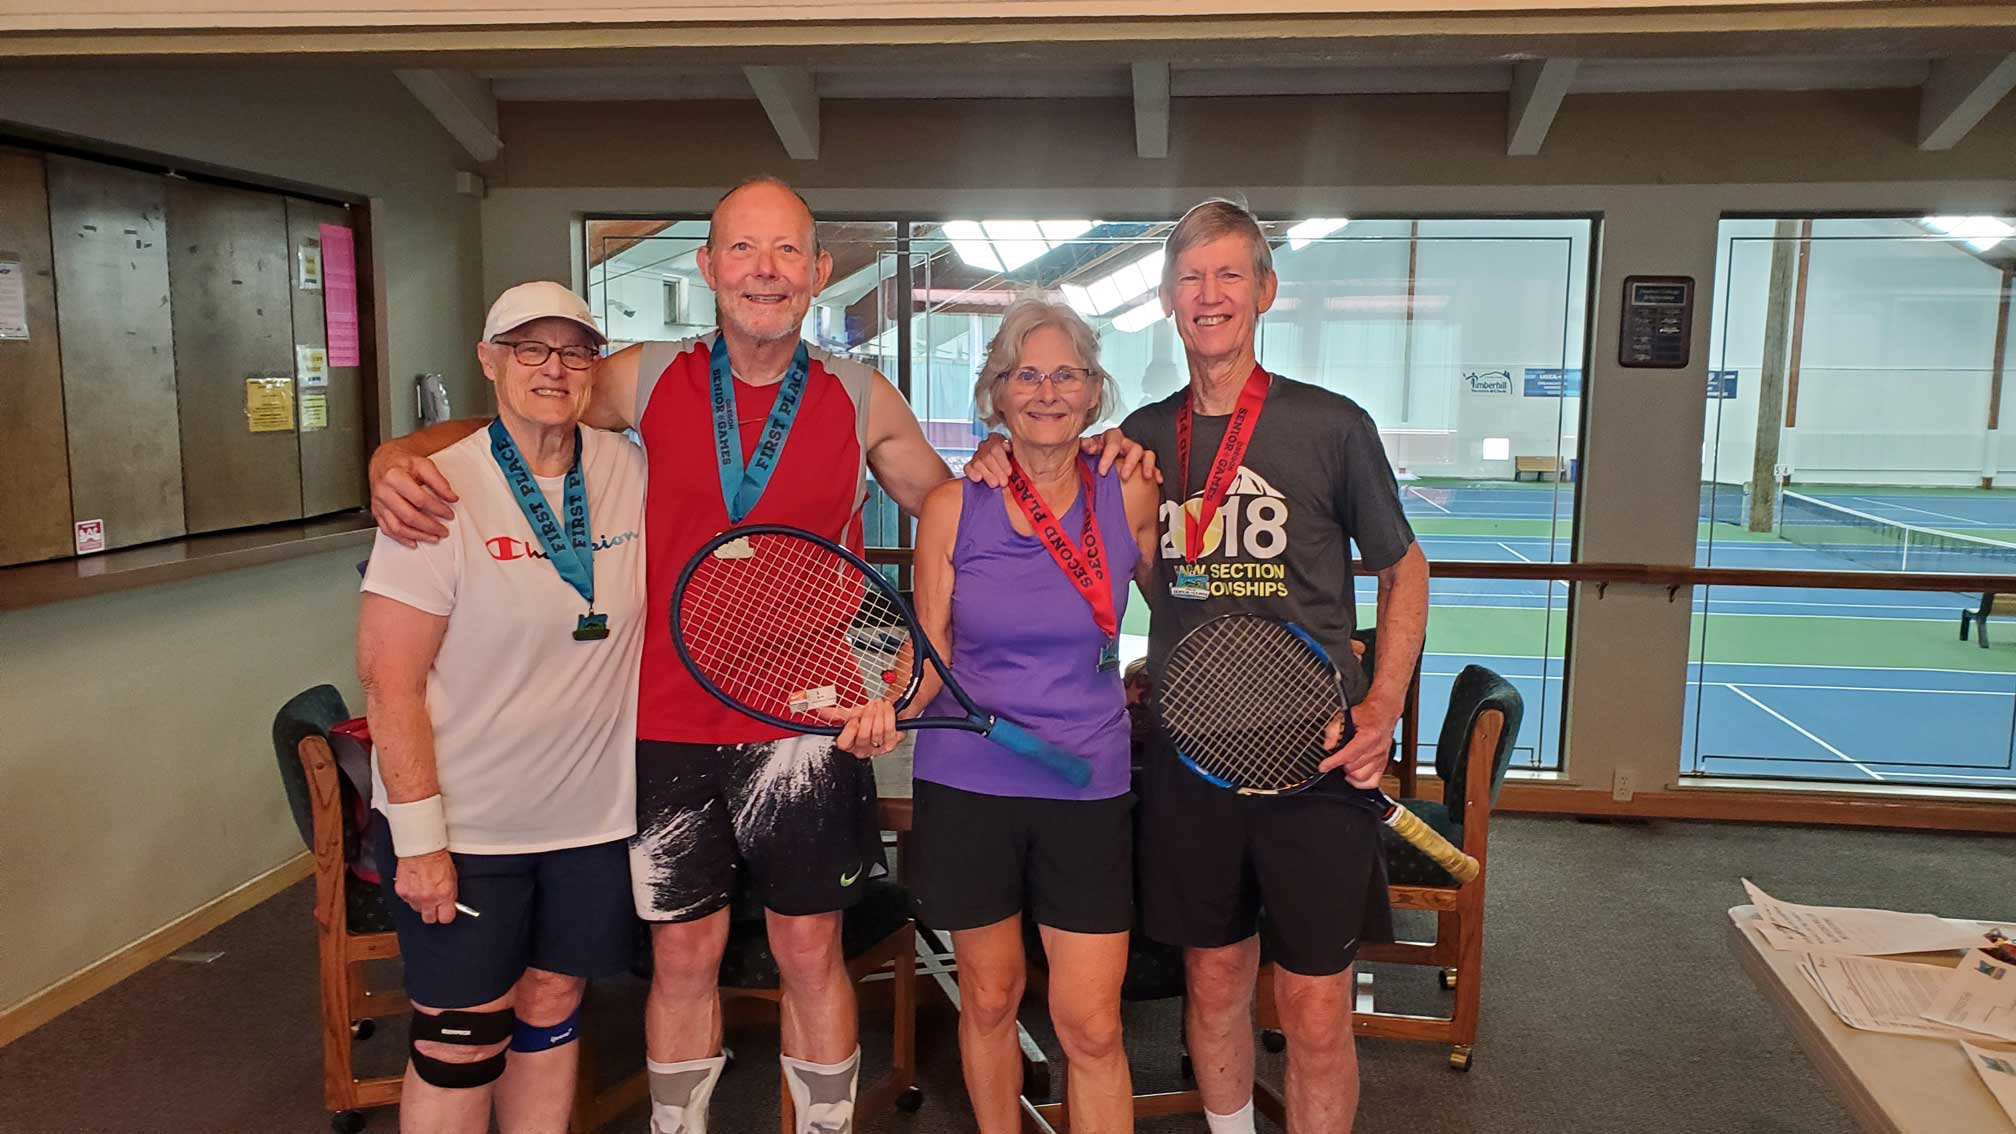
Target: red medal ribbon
{"x":1231,"y":451}
{"x":1085,"y":568}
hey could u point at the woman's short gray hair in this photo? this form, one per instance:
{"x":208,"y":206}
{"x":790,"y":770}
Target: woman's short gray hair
{"x":1207,"y":221}
{"x":1004,"y":355}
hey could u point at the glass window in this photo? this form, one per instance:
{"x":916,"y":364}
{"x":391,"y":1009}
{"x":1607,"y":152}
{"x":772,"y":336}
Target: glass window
{"x":1853,"y":424}
{"x":1463,"y":339}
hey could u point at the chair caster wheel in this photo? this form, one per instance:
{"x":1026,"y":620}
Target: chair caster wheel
{"x":1274,"y":1040}
{"x":1459,"y":1057}
{"x":347,"y":1121}
{"x":1186,"y":1069}
{"x":911,"y":1098}
{"x":1446,"y":978}
{"x":363,"y":1029}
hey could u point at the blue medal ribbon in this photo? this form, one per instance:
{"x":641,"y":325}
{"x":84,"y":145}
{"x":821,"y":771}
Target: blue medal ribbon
{"x":567,"y":545}
{"x":742,"y":485}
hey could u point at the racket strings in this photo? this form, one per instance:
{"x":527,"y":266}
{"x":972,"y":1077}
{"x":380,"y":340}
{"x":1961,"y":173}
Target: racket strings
{"x":794,"y":630}
{"x":1247,"y":700}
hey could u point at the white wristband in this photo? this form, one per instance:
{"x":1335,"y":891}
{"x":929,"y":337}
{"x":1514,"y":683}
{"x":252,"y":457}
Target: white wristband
{"x":419,"y":827}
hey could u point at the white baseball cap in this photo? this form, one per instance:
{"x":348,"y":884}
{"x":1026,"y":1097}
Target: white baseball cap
{"x":540,"y":299}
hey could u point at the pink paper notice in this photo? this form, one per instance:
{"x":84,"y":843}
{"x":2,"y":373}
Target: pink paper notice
{"x":339,"y":294}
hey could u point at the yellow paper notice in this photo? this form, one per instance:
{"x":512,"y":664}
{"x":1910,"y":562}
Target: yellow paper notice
{"x":269,"y":405}
{"x":314,"y":410}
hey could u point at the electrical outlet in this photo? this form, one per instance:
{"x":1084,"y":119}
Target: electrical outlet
{"x":1621,"y":786}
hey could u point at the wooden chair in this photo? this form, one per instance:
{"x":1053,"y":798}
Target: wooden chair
{"x":1991,"y":604}
{"x":352,"y":924}
{"x":1472,"y":755}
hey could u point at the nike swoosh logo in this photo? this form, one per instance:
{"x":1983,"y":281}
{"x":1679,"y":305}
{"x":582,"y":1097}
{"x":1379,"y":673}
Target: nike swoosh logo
{"x":850,"y":879}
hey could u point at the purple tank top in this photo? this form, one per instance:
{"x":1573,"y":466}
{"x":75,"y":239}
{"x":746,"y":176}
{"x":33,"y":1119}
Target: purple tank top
{"x":1024,"y":647}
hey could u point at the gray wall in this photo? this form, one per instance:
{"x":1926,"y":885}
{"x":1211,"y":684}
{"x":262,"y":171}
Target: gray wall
{"x":136,"y":773}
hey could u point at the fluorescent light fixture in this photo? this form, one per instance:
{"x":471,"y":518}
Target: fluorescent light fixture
{"x":1497,"y":448}
{"x":1979,"y":233}
{"x":1304,"y":233}
{"x":1113,"y":290}
{"x":1016,"y":241}
{"x":1080,"y":300}
{"x":1005,"y":245}
{"x":972,"y":245}
{"x":1138,"y":318}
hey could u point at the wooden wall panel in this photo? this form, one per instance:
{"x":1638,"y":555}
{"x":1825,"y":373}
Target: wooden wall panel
{"x":230,"y":272}
{"x":332,"y":459}
{"x":35,"y":508}
{"x":108,"y":240}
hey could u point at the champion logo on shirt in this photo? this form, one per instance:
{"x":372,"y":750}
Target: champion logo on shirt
{"x":505,"y":548}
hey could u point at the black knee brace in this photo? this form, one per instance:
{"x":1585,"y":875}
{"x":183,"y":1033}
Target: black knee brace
{"x":464,"y":1029}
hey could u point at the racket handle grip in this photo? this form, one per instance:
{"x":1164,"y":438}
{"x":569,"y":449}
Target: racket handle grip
{"x":1409,"y":826}
{"x":1076,"y":770}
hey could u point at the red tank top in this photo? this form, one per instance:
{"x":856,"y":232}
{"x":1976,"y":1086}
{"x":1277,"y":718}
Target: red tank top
{"x":683,"y":506}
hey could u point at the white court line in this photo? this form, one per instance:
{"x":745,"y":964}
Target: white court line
{"x":1875,"y":689}
{"x":1829,"y":605}
{"x":1908,"y":508}
{"x":1700,"y":606}
{"x":1915,"y":775}
{"x":1424,"y":499}
{"x":1694,"y":662}
{"x":1788,"y":722}
{"x":1514,"y":552}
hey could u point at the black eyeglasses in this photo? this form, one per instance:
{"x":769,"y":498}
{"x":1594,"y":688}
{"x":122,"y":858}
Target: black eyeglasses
{"x":1065,"y":378}
{"x":532,"y":352}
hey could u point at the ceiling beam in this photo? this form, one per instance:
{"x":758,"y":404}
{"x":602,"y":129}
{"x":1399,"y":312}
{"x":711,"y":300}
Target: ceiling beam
{"x":1959,"y":95}
{"x":1151,"y":110}
{"x":1538,"y":86}
{"x":792,"y":102}
{"x":463,"y":104}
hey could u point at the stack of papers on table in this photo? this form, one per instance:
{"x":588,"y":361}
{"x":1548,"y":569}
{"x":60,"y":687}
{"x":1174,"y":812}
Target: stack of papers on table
{"x":1860,"y":932}
{"x":1841,"y":952}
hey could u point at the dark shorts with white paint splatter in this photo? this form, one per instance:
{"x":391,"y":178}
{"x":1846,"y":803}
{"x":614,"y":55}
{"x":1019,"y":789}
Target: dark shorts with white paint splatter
{"x":795,"y":816}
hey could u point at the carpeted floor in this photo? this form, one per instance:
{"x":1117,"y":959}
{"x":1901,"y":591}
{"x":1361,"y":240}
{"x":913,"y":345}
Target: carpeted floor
{"x":1610,"y":1004}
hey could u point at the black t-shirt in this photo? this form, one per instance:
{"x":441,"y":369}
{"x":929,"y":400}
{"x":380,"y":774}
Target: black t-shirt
{"x":1314,"y":479}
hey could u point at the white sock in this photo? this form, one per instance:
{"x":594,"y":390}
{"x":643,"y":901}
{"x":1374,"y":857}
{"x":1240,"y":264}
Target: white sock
{"x":679,"y":1094}
{"x":823,"y":1093}
{"x":1238,"y":1122}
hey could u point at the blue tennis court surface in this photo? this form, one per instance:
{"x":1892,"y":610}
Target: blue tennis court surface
{"x":1856,"y":686}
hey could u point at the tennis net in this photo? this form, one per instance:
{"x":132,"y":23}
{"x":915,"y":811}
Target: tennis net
{"x":1888,"y":545}
{"x":1724,"y":503}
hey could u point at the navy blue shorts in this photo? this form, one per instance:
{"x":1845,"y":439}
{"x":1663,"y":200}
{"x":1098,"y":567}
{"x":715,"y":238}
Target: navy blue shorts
{"x":564,"y":911}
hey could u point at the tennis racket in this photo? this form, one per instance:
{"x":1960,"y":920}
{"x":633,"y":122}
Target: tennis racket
{"x":1244,"y":699}
{"x":795,"y":630}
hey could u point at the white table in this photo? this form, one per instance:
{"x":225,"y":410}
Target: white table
{"x":1892,"y":1084}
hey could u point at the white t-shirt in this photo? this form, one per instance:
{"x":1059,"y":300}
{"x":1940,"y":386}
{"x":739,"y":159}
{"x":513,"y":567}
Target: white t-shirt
{"x":534,"y":733}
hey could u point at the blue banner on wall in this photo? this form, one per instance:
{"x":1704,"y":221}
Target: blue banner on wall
{"x":1553,"y":382}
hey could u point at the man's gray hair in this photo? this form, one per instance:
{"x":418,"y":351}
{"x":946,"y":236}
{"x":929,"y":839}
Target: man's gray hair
{"x":1004,"y":355}
{"x":1207,"y":221}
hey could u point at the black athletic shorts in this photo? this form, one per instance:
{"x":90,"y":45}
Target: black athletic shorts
{"x":565,"y":911}
{"x":797,"y":814}
{"x":979,"y":858}
{"x":1304,"y":871}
